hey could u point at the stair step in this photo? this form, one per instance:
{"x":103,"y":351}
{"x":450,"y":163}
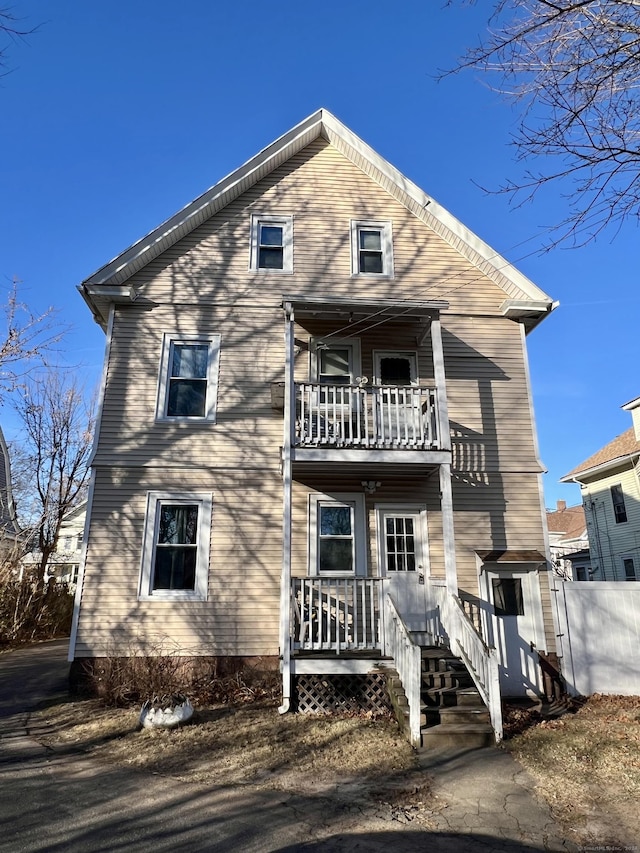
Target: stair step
{"x":435,"y":680}
{"x":469,"y":696}
{"x":468,"y":735}
{"x":465,"y":714}
{"x":438,"y":697}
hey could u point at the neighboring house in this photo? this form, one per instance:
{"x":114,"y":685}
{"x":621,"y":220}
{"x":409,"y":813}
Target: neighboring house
{"x":567,"y":535}
{"x":64,"y":564}
{"x":610,"y":485}
{"x":316,"y":441}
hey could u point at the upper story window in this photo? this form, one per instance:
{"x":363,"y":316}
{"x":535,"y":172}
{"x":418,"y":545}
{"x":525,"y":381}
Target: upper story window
{"x":371,"y":248}
{"x":188,"y":378}
{"x":175,"y":553}
{"x":271,"y":243}
{"x":619,"y":508}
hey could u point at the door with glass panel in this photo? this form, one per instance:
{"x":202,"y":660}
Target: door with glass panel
{"x":399,"y":407}
{"x":402,"y":556}
{"x":334,"y":405}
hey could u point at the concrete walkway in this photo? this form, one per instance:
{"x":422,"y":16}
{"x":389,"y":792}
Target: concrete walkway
{"x":53,"y":802}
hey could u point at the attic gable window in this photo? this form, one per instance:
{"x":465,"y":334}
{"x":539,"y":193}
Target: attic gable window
{"x":188,"y":378}
{"x":371,"y":248}
{"x":271,"y":243}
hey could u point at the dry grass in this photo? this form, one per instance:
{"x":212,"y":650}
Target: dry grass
{"x":226,"y":745}
{"x":587,"y":767}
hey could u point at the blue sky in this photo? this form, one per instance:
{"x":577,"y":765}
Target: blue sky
{"x":116,"y":115}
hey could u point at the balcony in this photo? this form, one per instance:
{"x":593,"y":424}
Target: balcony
{"x":370,"y":417}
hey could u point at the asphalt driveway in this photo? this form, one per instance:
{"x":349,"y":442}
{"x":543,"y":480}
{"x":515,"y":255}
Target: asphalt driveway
{"x":54,"y":802}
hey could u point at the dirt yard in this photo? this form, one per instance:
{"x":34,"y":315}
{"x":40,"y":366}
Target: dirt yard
{"x":586,"y":764}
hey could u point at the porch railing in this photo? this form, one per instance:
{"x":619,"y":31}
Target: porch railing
{"x":407,"y":657}
{"x":336,"y":614}
{"x":370,"y":416}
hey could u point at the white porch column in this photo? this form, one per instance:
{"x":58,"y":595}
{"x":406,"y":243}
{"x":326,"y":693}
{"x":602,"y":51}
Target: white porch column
{"x":285,"y":579}
{"x":444,"y":433}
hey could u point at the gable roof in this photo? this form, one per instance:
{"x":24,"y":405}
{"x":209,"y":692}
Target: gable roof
{"x":623,"y":447}
{"x":524,"y":299}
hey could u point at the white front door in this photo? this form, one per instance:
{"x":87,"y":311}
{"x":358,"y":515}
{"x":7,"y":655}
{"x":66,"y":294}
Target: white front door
{"x":515,"y":629}
{"x":402,"y":555}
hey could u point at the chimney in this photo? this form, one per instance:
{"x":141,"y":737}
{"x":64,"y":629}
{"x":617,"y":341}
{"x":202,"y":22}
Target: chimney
{"x":561,"y":506}
{"x":633,"y":406}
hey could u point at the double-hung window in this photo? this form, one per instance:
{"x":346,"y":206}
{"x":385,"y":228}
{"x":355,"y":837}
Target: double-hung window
{"x":175,"y":553}
{"x":336,"y":535}
{"x":619,"y":508}
{"x":271,"y":243}
{"x":188,"y":378}
{"x":371,"y":248}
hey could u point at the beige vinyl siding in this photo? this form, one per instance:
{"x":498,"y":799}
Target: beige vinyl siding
{"x":323,"y":191}
{"x":247,"y":431}
{"x":240,"y":616}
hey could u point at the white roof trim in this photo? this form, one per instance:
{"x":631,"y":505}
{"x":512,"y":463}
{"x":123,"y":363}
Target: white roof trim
{"x":602,"y":468}
{"x":321,"y":123}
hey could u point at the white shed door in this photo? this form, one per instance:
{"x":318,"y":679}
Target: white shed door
{"x":515,"y":618}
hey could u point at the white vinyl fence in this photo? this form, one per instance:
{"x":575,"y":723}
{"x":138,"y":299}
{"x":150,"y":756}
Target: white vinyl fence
{"x":599,"y":626}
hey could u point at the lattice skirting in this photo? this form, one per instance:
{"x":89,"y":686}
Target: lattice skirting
{"x":330,"y":694}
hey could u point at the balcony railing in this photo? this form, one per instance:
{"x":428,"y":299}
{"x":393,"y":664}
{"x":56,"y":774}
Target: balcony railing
{"x":372,"y":416}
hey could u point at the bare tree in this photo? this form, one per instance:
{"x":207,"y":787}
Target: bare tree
{"x":25,"y":341}
{"x":58,"y":425}
{"x":574,"y":65}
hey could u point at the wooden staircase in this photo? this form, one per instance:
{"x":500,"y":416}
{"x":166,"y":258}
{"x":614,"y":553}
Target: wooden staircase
{"x":452,"y":713}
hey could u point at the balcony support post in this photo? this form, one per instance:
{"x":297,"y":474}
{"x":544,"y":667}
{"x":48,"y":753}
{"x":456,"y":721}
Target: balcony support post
{"x":285,"y":579}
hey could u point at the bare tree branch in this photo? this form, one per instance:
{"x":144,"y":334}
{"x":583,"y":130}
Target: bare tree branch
{"x":25,"y":341}
{"x":574,"y":67}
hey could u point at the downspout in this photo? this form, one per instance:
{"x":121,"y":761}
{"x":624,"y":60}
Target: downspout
{"x":285,"y":580}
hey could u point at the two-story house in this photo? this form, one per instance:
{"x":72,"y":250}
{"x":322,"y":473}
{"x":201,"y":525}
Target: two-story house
{"x":316,"y":441}
{"x":609,"y":482}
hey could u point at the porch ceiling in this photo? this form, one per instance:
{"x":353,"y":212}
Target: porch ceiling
{"x":353,"y":310}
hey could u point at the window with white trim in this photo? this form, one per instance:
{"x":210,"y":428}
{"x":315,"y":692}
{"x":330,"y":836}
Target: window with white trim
{"x":629,"y":569}
{"x":188,"y":386}
{"x":336,"y":535}
{"x":619,"y":508}
{"x":175,"y":552}
{"x":271,"y":243}
{"x":371,"y":248}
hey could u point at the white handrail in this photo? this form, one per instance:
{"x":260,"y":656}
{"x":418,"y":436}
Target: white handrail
{"x":407,"y":657}
{"x":480,"y":659}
